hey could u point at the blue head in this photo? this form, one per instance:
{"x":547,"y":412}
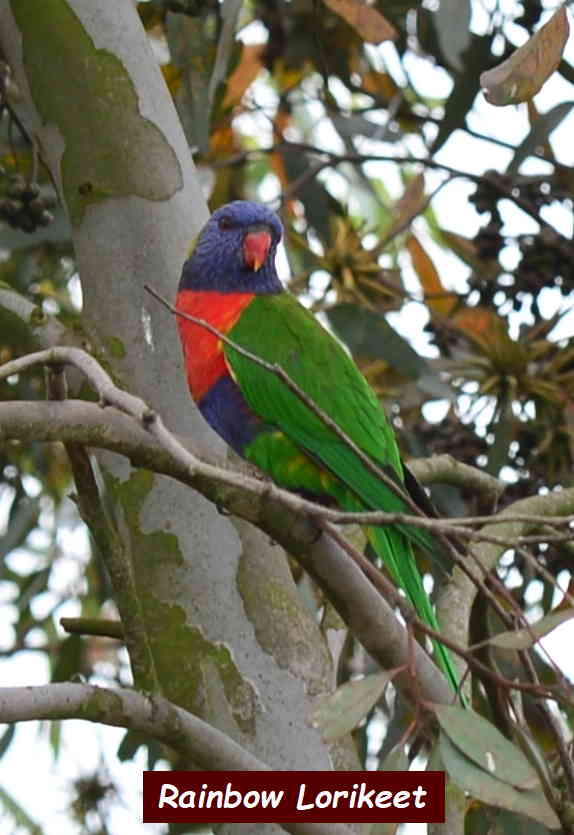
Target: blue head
{"x":235,"y":251}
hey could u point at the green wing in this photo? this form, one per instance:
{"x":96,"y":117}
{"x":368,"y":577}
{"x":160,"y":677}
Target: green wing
{"x":280,"y":330}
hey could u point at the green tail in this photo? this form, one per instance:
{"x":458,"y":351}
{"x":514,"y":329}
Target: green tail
{"x":395,"y":551}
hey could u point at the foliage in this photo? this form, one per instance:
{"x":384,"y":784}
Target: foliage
{"x":324,"y":109}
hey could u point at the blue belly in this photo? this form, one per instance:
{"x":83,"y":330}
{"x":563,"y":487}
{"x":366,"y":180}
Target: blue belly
{"x":227,"y":412}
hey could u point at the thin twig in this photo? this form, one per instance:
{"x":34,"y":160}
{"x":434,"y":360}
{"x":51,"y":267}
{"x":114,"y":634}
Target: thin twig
{"x":152,"y":423}
{"x":152,"y":715}
{"x":332,"y":158}
{"x":136,"y":408}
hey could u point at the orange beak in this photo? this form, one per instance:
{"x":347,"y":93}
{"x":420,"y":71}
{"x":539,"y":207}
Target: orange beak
{"x":256,"y":246}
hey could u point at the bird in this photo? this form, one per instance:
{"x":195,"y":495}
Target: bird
{"x":230,"y":280}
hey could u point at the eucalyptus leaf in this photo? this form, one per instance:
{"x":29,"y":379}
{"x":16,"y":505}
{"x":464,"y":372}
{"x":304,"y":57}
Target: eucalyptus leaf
{"x":524,"y":638}
{"x":133,"y":741}
{"x":489,"y":789}
{"x":465,"y":88}
{"x":225,"y":45}
{"x":503,"y":436}
{"x":396,"y":760}
{"x":351,"y":126}
{"x":6,"y":739}
{"x":539,"y":133}
{"x":479,"y":740}
{"x":452,"y":24}
{"x":368,"y":334}
{"x":22,"y":820}
{"x":56,"y":738}
{"x":338,"y":713}
{"x":69,"y":658}
{"x":509,"y":823}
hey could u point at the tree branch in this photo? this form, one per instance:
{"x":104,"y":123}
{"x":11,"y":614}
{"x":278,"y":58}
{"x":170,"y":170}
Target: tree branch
{"x":446,"y":469}
{"x":276,"y":512}
{"x":103,"y":627}
{"x":148,"y":714}
{"x":298,"y":535}
{"x":111,"y":548}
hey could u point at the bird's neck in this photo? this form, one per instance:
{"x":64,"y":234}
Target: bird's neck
{"x":204,"y":278}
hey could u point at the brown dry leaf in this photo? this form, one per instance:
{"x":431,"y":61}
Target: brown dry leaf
{"x":281,"y":122}
{"x":464,"y":247}
{"x":438,"y":299}
{"x":412,"y":201}
{"x":380,"y":84}
{"x":368,"y":22}
{"x":407,"y":207}
{"x":172,"y":77}
{"x":244,"y":73}
{"x":223,"y":141}
{"x":481,"y":325}
{"x":151,"y":15}
{"x":522,"y":75}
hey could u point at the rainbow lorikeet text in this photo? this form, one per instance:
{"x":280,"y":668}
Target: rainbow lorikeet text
{"x":230,"y":281}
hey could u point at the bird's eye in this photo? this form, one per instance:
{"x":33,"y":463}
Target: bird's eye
{"x":225,"y":222}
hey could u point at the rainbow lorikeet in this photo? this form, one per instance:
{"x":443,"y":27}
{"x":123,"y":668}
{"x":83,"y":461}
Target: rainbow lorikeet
{"x":230,"y":281}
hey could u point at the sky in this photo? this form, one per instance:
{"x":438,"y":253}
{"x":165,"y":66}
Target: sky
{"x":28,"y":771}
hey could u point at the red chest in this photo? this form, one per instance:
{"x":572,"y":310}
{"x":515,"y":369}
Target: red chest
{"x":202,"y":351}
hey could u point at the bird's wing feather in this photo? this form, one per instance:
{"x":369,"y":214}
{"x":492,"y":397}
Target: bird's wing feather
{"x":280,"y":330}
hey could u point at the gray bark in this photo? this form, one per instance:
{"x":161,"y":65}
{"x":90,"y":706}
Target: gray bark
{"x":229,"y":637}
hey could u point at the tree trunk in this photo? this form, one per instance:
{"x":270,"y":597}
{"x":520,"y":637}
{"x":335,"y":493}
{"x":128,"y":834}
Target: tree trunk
{"x":222,"y":631}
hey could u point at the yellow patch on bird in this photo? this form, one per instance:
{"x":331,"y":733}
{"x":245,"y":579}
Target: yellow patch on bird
{"x":326,"y":478}
{"x":296,"y":463}
{"x":230,"y":370}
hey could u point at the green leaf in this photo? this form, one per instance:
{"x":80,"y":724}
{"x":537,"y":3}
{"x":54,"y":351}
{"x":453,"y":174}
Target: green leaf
{"x":356,"y":125}
{"x":509,"y":823}
{"x":69,"y":659}
{"x":338,"y":713}
{"x":466,"y":86}
{"x":24,"y":515}
{"x":56,"y":738}
{"x":539,"y":133}
{"x":452,"y":24}
{"x":320,"y":206}
{"x":479,"y":740}
{"x":524,"y":638}
{"x":503,"y":435}
{"x":368,"y":334}
{"x":396,"y":760}
{"x":6,"y":739}
{"x":18,"y":814}
{"x":483,"y":786}
{"x":132,"y":741}
{"x":192,"y":46}
{"x":226,"y":45}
